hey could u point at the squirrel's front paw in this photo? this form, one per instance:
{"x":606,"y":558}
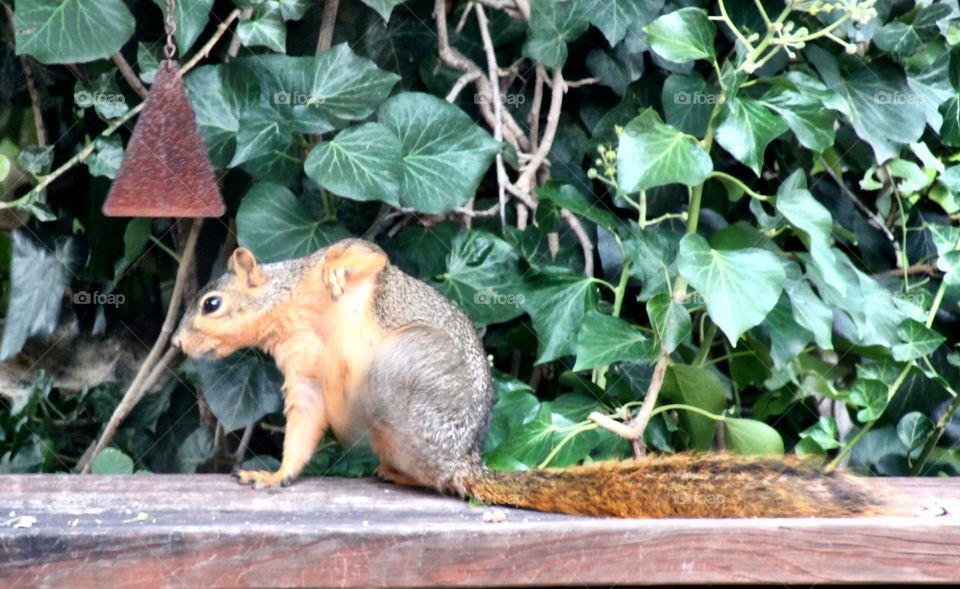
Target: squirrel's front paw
{"x":335,"y":279}
{"x":261,"y":479}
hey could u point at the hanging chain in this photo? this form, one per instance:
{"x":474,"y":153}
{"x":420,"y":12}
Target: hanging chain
{"x":171,"y":27}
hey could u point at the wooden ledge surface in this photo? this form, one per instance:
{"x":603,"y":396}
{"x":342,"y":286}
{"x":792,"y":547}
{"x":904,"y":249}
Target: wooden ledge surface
{"x":207,"y":531}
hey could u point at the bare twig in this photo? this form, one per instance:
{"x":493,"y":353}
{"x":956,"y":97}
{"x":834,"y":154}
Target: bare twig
{"x":31,"y":85}
{"x":156,"y":360}
{"x":633,"y":430}
{"x":460,"y":84}
{"x":129,"y":75}
{"x":493,"y":70}
{"x":534,"y":117}
{"x":872,"y":217}
{"x":329,"y":19}
{"x":583,"y":82}
{"x":234,"y":47}
{"x":585,"y":244}
{"x":527,"y":177}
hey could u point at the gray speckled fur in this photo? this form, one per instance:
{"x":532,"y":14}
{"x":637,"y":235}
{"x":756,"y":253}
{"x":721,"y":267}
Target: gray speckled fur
{"x":435,"y":368}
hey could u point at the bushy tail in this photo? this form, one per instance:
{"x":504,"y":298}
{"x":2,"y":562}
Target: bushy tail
{"x":683,"y":485}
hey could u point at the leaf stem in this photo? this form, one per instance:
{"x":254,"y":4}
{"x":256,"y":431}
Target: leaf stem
{"x":734,"y":180}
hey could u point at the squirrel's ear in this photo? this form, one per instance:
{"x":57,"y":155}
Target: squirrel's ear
{"x":244,"y":266}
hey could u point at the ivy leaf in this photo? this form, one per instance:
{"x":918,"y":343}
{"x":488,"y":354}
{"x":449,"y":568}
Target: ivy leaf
{"x":196,"y":450}
{"x":383,"y":7}
{"x":40,"y":272}
{"x":103,"y":94}
{"x":217,"y":111}
{"x":808,"y":309}
{"x":697,"y":387}
{"x":914,"y":429}
{"x":823,"y":433}
{"x":919,"y":341}
{"x":740,"y":287}
{"x":552,"y":25}
{"x":670,"y":319}
{"x":111,"y":461}
{"x":557,"y":301}
{"x":265,"y":146}
{"x":241,"y":388}
{"x":567,"y":197}
{"x":806,"y":117}
{"x":107,"y":156}
{"x":688,"y":101}
{"x":265,"y":28}
{"x":682,"y":35}
{"x":362,"y":163}
{"x":71,"y":31}
{"x":652,"y":153}
{"x":787,"y":337}
{"x":614,"y":17}
{"x":445,"y":153}
{"x":604,"y":340}
{"x":871,"y":396}
{"x":879,"y":103}
{"x":276,"y":226}
{"x":749,"y":436}
{"x":814,"y":224}
{"x":746,"y":128}
{"x":898,"y":38}
{"x":483,"y":278}
{"x":191,"y":17}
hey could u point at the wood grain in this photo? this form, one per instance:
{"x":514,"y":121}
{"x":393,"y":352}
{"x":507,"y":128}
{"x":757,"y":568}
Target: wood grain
{"x":206,"y":531}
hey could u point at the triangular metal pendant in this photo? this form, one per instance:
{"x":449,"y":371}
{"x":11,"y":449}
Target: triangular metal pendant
{"x":165,"y":171}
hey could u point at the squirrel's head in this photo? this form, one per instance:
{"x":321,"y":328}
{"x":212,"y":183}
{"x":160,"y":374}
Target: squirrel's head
{"x":227,"y":313}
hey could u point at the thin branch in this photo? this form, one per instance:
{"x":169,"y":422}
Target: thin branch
{"x":583,"y":82}
{"x":460,"y":84}
{"x":42,"y":138}
{"x":329,"y":19}
{"x":493,"y":70}
{"x":204,"y":51}
{"x":526,"y":180}
{"x":873,"y":218}
{"x":129,"y":75}
{"x":157,"y":360}
{"x":585,"y":244}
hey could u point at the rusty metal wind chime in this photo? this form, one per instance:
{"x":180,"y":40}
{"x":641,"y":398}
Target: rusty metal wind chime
{"x":166,"y":171}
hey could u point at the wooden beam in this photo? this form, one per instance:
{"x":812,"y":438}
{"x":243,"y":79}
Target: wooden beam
{"x":206,"y":531}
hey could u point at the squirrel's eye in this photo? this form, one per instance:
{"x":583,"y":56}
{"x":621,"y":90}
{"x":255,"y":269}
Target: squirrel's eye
{"x":211,"y":304}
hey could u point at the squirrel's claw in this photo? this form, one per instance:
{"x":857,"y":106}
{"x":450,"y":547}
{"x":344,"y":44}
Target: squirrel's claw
{"x":335,"y":279}
{"x":261,"y":479}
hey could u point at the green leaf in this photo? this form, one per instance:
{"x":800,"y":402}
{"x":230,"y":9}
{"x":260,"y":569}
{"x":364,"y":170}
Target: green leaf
{"x":191,"y":17}
{"x":241,"y":388}
{"x":111,"y":461}
{"x":196,"y":449}
{"x":106,"y":158}
{"x":787,"y":337}
{"x":823,"y":433}
{"x":483,"y":278}
{"x":688,"y":101}
{"x":265,"y":28}
{"x":4,"y":167}
{"x":670,"y":319}
{"x":445,"y":153}
{"x":883,"y":109}
{"x":748,"y":436}
{"x":552,"y":25}
{"x":807,"y":118}
{"x":814,"y":224}
{"x":809,"y":310}
{"x":71,"y":31}
{"x":40,"y":273}
{"x":36,"y":160}
{"x":362,"y":163}
{"x":604,"y":340}
{"x":682,"y":35}
{"x":919,"y":341}
{"x":103,"y":94}
{"x":567,"y":197}
{"x":746,"y":128}
{"x":914,"y":429}
{"x":614,"y":17}
{"x":217,"y":110}
{"x":699,"y":388}
{"x":383,"y":7}
{"x":898,"y":38}
{"x":871,"y":396}
{"x":740,"y":287}
{"x":653,"y":154}
{"x":265,"y":146}
{"x":557,"y":301}
{"x":276,"y":225}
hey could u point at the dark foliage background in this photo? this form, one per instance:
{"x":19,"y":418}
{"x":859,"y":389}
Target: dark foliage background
{"x":759,"y":199}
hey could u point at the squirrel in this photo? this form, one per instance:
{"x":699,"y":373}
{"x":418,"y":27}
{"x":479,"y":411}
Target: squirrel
{"x":376,"y":354}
